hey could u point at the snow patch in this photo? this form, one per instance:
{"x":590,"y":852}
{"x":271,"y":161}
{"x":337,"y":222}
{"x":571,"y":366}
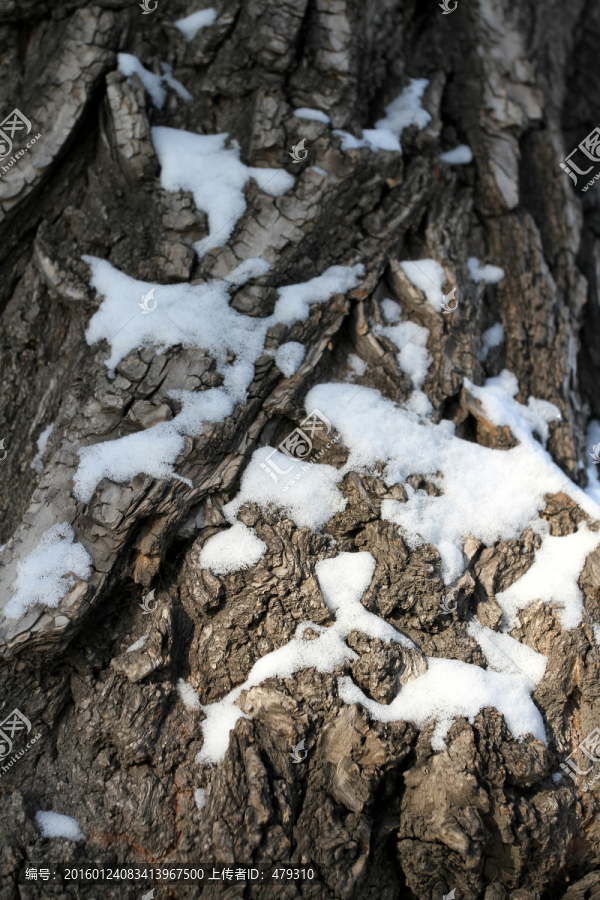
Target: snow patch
{"x":451,"y":688}
{"x":288,"y":358}
{"x":55,"y":825}
{"x":42,"y":442}
{"x":493,"y":337}
{"x":402,"y":112}
{"x":138,"y":644}
{"x":313,"y":114}
{"x":553,"y":578}
{"x":191,"y":25}
{"x":488,"y":274}
{"x":46,"y":574}
{"x":411,"y":340}
{"x":459,"y":156}
{"x":391,"y":310}
{"x":216,"y":177}
{"x":428,"y":276}
{"x":229,"y":551}
{"x":188,"y":694}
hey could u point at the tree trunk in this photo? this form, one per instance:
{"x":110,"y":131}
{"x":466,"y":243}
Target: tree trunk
{"x":407,"y":592}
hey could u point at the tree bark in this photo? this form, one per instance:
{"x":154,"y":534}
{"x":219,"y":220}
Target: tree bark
{"x":372,"y":807}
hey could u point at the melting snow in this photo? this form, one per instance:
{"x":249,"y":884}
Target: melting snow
{"x":46,"y":574}
{"x":200,"y":798}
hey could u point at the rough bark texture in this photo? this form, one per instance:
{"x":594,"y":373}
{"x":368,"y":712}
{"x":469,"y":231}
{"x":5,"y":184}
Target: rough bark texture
{"x":373,"y":808}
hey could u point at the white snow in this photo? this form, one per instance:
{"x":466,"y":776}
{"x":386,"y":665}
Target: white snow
{"x":188,"y":694}
{"x":215,"y":175}
{"x":592,"y":468}
{"x":596,"y":629}
{"x":42,"y":442}
{"x":194,"y":316}
{"x":191,"y":25}
{"x":314,"y":114}
{"x":493,"y":337}
{"x":553,"y":578}
{"x":411,"y":340}
{"x":130,"y":65}
{"x":505,"y":654}
{"x":488,"y":274}
{"x":357,"y":365}
{"x":475,"y":499}
{"x":405,"y":110}
{"x":55,"y":825}
{"x":343,"y":581}
{"x":311,"y":501}
{"x":295,"y":299}
{"x":391,"y":310}
{"x":46,"y":574}
{"x":428,"y":276}
{"x":458,"y":156}
{"x":448,"y":689}
{"x":229,"y":551}
{"x":452,"y":688}
{"x":151,"y":451}
{"x":288,"y":357}
{"x":138,"y":644}
{"x":200,"y":798}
